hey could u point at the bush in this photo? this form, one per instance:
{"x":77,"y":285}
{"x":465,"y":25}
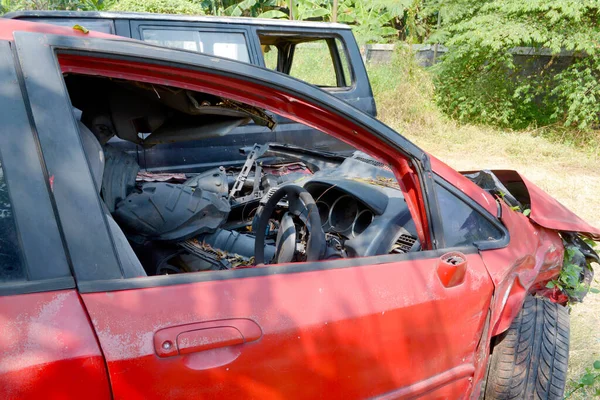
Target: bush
{"x":159,"y":6}
{"x":479,"y":81}
{"x":404,"y":93}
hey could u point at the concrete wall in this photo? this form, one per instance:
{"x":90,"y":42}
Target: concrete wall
{"x":383,"y":53}
{"x":534,"y":60}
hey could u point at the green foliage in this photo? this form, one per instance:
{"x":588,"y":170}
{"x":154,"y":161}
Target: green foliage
{"x":159,"y":6}
{"x":372,"y":20}
{"x":569,"y":279}
{"x":273,"y":14}
{"x":97,"y":5}
{"x":589,"y":382}
{"x":13,"y":5}
{"x":480,"y":81}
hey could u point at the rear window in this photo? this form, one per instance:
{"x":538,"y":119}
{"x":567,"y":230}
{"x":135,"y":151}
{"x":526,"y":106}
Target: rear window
{"x":222,"y":44}
{"x":11,"y":265}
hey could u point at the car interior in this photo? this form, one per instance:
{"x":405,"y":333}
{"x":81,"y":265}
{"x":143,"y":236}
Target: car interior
{"x":284,"y":204}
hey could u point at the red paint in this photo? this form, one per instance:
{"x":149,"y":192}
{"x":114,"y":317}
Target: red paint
{"x":452,"y":269}
{"x":48,"y":349}
{"x":534,"y":254}
{"x":549,"y":213}
{"x":354,"y":332}
{"x":409,"y":181}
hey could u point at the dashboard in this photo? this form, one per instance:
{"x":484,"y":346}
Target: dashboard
{"x":342,"y":213}
{"x":368,"y":219}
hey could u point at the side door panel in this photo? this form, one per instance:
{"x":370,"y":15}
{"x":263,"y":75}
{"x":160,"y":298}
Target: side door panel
{"x":357,"y":332}
{"x":45,"y":334}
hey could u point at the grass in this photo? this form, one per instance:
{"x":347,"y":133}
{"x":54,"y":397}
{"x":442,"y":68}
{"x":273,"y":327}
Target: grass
{"x":562,"y":162}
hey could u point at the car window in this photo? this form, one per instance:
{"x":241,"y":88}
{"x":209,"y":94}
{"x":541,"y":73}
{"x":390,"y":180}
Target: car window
{"x":344,"y":60}
{"x":462,"y":225}
{"x":223,"y":44}
{"x":270,"y":55}
{"x":11,"y":266}
{"x":313,"y":63}
{"x":312,"y":60}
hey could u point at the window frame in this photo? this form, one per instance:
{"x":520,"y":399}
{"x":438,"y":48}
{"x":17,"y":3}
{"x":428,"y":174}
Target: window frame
{"x":495,"y":221}
{"x":40,"y":61}
{"x":41,"y":245}
{"x":330,"y":39}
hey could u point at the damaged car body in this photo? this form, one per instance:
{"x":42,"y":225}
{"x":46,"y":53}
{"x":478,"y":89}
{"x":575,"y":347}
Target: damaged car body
{"x":380,"y":274}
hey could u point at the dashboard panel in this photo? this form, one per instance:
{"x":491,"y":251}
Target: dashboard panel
{"x":368,"y":220}
{"x":341,"y":213}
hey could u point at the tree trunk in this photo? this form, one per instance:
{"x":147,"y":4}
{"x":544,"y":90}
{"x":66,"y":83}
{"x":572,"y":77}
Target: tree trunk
{"x":335,"y":10}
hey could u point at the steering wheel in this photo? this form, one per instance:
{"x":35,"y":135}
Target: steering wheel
{"x":301,"y":205}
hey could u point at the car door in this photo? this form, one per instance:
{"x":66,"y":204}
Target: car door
{"x":398,"y":325}
{"x":45,"y":334}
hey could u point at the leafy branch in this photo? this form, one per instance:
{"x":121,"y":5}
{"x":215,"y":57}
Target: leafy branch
{"x":589,"y":380}
{"x":569,"y":280}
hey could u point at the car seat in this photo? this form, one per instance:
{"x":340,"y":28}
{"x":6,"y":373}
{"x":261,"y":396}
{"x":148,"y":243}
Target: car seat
{"x":131,"y":266}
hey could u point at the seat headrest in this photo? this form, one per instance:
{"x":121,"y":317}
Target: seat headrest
{"x":94,"y":154}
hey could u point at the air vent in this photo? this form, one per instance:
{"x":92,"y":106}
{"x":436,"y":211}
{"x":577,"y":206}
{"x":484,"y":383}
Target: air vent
{"x":403,"y":244}
{"x":372,"y":162}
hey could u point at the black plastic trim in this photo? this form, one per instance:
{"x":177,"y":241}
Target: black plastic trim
{"x":41,"y":244}
{"x":193,"y":277}
{"x":81,"y":216}
{"x":28,"y":287}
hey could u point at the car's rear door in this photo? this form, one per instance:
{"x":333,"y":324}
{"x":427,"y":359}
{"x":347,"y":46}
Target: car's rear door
{"x":396,"y":325}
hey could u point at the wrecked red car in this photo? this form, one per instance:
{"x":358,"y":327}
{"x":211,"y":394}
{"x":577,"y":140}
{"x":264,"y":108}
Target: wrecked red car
{"x":300,"y":273}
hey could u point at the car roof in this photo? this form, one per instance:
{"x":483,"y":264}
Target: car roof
{"x":171,"y":17}
{"x":9,"y":26}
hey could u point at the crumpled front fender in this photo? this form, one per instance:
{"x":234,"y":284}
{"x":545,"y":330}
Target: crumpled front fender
{"x":546,"y":211}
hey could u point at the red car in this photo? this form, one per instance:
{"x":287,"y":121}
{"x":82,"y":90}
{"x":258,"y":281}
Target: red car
{"x":299,"y":274}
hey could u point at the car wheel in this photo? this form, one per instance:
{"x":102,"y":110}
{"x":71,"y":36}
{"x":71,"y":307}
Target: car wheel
{"x":529,"y":361}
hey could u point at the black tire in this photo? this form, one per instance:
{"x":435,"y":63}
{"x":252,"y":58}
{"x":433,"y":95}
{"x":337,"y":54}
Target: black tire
{"x":529,"y":361}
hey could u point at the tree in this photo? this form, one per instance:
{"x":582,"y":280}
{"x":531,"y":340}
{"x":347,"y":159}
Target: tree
{"x":480,"y":81}
{"x":159,"y":6}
